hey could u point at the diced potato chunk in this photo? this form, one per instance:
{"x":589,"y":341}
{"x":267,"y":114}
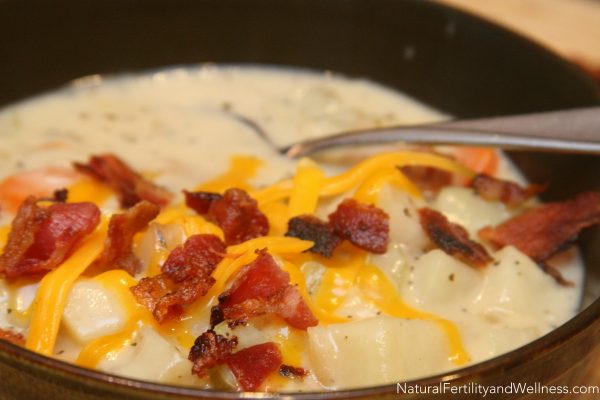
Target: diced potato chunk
{"x":405,"y":229}
{"x":375,"y":351}
{"x":464,"y":207}
{"x":518,"y":287}
{"x":153,"y":358}
{"x":92,"y":311}
{"x":439,"y":281}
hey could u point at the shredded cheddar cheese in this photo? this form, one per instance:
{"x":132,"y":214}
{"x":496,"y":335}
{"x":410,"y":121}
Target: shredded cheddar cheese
{"x":196,"y":225}
{"x":368,"y":191}
{"x":275,"y":245}
{"x":4,"y":231}
{"x":347,"y":270}
{"x":337,"y":280}
{"x":356,"y":175}
{"x":297,"y":278}
{"x":307,"y":184}
{"x":377,"y":287}
{"x":89,"y":190}
{"x":277,"y":214}
{"x":241,"y":170}
{"x":172,"y":213}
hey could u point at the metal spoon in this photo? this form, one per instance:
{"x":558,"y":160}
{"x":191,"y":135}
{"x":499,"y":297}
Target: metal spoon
{"x":572,"y":131}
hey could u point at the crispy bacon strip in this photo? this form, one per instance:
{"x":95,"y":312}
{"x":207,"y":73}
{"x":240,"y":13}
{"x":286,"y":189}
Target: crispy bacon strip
{"x":117,"y":252}
{"x":201,"y":201}
{"x":12,"y":337}
{"x":311,"y":228}
{"x":263,"y":288}
{"x":365,"y":226}
{"x":548,"y":229}
{"x":41,"y":238}
{"x":428,"y":179}
{"x":131,"y":187}
{"x":453,"y":239}
{"x":185,"y":277}
{"x":210,"y":350}
{"x":252,"y":365}
{"x":291,"y":372}
{"x":235,"y":212}
{"x":507,"y":192}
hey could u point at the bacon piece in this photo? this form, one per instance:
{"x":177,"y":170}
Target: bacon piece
{"x":507,"y":192}
{"x":365,"y":226}
{"x":292,"y":372}
{"x":252,"y":365}
{"x":60,"y":195}
{"x":199,"y":255}
{"x":308,"y":227}
{"x":235,"y":212}
{"x":41,"y":238}
{"x":548,"y":229}
{"x":453,"y":239}
{"x":149,"y":291}
{"x":556,"y":275}
{"x":131,"y":187}
{"x":263,"y":288}
{"x":428,"y":179}
{"x":117,"y":252}
{"x":200,"y":201}
{"x":185,"y":277}
{"x":210,"y":350}
{"x":12,"y":337}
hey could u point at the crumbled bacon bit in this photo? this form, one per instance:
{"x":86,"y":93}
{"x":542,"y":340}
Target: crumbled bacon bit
{"x":548,"y":229}
{"x":308,"y":227}
{"x":216,"y":316}
{"x":210,"y":350}
{"x":199,"y":254}
{"x":427,"y":179}
{"x":200,"y":201}
{"x":507,"y":192}
{"x":131,"y":187}
{"x":149,"y":291}
{"x":252,"y":365}
{"x":60,"y":195}
{"x":185,"y":277}
{"x":41,"y":238}
{"x":12,"y":337}
{"x":453,"y":239}
{"x":117,"y":252}
{"x":556,"y":275}
{"x":365,"y":226}
{"x":292,"y":372}
{"x":263,"y":288}
{"x":235,"y":212}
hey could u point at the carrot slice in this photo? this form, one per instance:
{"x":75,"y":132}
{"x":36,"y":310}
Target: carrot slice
{"x":39,"y":183}
{"x":479,"y":159}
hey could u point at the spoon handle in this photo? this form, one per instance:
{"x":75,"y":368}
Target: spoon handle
{"x":574,"y":131}
{"x":582,"y":124}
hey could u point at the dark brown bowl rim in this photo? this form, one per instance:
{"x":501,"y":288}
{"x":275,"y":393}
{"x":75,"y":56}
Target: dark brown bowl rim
{"x":504,"y":362}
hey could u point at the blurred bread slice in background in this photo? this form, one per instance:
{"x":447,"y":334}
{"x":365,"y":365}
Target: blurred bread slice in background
{"x":568,"y":27}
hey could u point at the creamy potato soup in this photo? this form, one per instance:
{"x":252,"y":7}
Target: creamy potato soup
{"x":268,"y":274}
